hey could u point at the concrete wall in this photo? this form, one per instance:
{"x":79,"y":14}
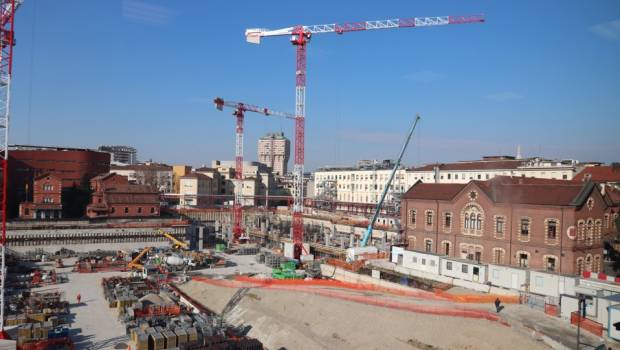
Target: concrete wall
{"x":507,"y":277}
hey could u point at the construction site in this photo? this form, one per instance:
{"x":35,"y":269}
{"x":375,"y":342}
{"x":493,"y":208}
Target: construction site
{"x":292,"y":273}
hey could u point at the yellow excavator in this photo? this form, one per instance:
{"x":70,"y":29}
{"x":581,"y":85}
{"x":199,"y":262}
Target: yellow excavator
{"x":175,"y":242}
{"x":135,"y":263}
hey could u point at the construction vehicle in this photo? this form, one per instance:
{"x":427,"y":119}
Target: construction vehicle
{"x":135,"y":263}
{"x":175,"y":242}
{"x":300,"y":36}
{"x":386,"y":187}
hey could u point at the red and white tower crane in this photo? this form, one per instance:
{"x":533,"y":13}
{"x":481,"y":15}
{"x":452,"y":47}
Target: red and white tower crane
{"x":7,"y":40}
{"x":239,"y":112}
{"x":300,"y":36}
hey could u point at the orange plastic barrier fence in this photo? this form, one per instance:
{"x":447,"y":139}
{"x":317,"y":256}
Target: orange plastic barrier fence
{"x":589,"y":325}
{"x":551,"y":309}
{"x":291,"y":285}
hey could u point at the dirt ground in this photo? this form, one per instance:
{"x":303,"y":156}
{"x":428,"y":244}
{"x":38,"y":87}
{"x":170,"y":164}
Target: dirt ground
{"x":297,"y":320}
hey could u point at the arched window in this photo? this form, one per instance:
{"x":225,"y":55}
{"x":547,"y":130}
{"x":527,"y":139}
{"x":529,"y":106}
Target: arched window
{"x":579,"y":268}
{"x":478,"y":222}
{"x":596,"y":267}
{"x":589,"y":233}
{"x":588,"y":266}
{"x":466,"y":221}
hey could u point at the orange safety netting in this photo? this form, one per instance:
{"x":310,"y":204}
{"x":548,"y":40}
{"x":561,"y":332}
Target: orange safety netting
{"x":302,"y":286}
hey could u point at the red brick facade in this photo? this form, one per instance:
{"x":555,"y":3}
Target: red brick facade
{"x":541,"y":224}
{"x":47,"y":196}
{"x":113,"y":196}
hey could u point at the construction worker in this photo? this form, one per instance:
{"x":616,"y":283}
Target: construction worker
{"x":79,"y":298}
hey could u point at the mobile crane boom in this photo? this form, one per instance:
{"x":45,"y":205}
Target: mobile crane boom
{"x":368,"y":233}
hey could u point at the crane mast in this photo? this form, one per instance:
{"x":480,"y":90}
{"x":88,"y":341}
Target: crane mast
{"x":300,"y":36}
{"x":7,"y":41}
{"x":239,"y":112}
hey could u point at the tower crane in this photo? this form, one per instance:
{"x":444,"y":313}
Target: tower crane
{"x":239,"y":112}
{"x":7,"y":41}
{"x":300,"y":36}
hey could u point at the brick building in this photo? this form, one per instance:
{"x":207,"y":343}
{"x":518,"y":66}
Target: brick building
{"x":74,"y":167}
{"x":535,"y":223}
{"x":47,"y":199}
{"x":114,"y":196}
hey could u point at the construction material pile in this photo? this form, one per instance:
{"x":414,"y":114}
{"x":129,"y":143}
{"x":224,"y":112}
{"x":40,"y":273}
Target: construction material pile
{"x":41,"y":319}
{"x":155,"y":318}
{"x":248,"y":250}
{"x":271,"y":260}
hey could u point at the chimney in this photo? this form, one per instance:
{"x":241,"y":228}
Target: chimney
{"x":603,"y":186}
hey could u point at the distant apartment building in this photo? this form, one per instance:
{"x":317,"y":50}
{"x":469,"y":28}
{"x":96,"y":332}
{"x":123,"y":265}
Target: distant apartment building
{"x":365,"y":183}
{"x":274,"y":150}
{"x":195,"y":190}
{"x":532,"y":223}
{"x":157,"y":176}
{"x":362,"y":184}
{"x":74,"y":166}
{"x":491,"y":166}
{"x":121,"y":154}
{"x":179,"y":171}
{"x":258,"y":179}
{"x":47,"y":199}
{"x":113,"y":196}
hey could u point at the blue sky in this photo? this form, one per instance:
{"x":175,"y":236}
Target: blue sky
{"x":543,"y":74}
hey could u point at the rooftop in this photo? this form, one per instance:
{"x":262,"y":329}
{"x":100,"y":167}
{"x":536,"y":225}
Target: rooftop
{"x":48,"y":148}
{"x":515,"y":190}
{"x":603,"y":173}
{"x":142,"y":167}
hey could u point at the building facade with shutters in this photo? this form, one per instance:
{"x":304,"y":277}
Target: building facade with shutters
{"x":540,"y":224}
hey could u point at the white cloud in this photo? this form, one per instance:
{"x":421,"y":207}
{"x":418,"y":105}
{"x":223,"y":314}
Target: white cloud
{"x":504,"y":96}
{"x":608,"y":30}
{"x":425,"y":76}
{"x":144,"y":13}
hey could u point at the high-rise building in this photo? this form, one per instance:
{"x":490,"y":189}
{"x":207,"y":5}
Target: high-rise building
{"x":274,"y":150}
{"x":121,"y":154}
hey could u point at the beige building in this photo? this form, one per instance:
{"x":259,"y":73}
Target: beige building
{"x":274,"y":150}
{"x":177,"y":172}
{"x":364,"y":183}
{"x":194,"y":190}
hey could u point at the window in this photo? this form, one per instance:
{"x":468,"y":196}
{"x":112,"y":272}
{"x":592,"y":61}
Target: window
{"x":478,"y":222}
{"x":139,"y":210}
{"x":464,"y":268}
{"x":26,"y":211}
{"x":48,"y":187}
{"x":550,"y":263}
{"x":479,"y":177}
{"x":48,"y":200}
{"x":126,"y":210}
{"x":152,"y":210}
{"x":449,"y":265}
{"x":552,"y":229}
{"x":466,"y":221}
{"x":429,"y":217}
{"x":428,"y":245}
{"x":499,"y":225}
{"x":113,"y":210}
{"x":525,"y":227}
{"x":523,"y":259}
{"x":449,"y":176}
{"x":446,"y":248}
{"x":412,"y":213}
{"x":423,"y":261}
{"x":447,"y":220}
